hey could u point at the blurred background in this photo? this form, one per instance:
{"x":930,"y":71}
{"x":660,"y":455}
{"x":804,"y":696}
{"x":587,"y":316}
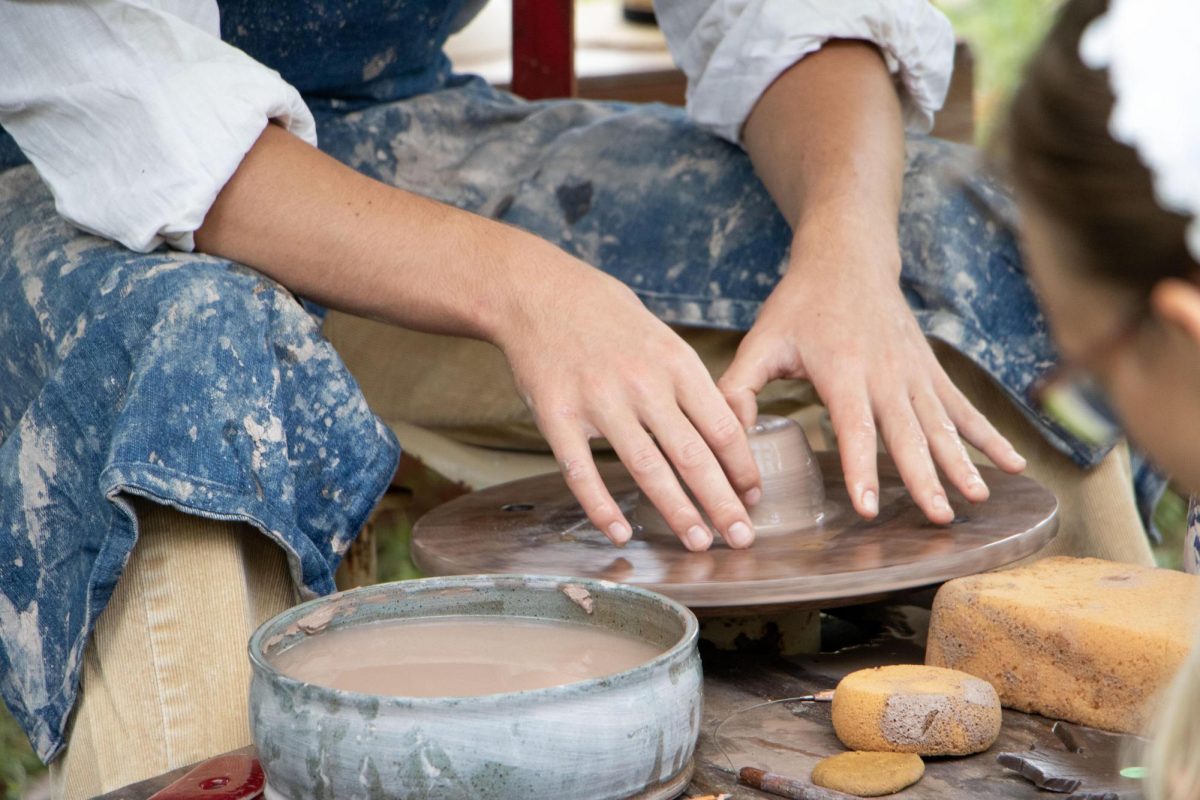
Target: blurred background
{"x":1000,"y":37}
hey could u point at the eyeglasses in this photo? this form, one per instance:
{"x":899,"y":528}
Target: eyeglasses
{"x":1071,"y":396}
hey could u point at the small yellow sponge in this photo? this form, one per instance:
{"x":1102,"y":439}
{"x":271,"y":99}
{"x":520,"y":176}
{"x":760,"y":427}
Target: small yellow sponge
{"x":1078,"y":639}
{"x":908,"y":708}
{"x":868,"y":774}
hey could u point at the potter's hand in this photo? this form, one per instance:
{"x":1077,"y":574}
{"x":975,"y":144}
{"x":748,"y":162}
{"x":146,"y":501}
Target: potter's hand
{"x":828,"y":141}
{"x":849,"y":331}
{"x":592,"y":362}
{"x":587,"y":356}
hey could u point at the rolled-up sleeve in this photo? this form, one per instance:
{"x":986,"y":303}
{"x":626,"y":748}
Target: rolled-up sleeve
{"x":135,"y":114}
{"x":732,"y":50}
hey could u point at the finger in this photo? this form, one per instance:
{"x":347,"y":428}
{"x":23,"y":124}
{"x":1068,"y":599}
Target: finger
{"x":574,"y":455}
{"x":744,"y":379}
{"x":947,"y":447}
{"x":977,"y":429}
{"x":726,"y":436}
{"x":906,"y":441}
{"x":701,"y":471}
{"x":854,"y":426}
{"x":654,"y":476}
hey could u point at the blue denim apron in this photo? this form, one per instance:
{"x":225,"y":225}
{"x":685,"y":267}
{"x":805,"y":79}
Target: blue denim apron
{"x":203,"y":385}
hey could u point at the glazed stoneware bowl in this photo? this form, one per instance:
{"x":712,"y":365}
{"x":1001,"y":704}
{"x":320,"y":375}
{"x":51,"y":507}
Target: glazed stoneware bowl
{"x":631,"y":734}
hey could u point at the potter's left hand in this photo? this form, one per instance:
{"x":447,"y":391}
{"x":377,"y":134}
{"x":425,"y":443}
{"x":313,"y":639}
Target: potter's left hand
{"x":828,"y":141}
{"x":844,"y":325}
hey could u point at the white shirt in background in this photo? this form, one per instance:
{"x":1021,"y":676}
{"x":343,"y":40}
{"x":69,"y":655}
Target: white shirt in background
{"x":136,"y":114}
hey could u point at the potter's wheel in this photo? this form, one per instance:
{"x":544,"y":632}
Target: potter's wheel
{"x":535,"y":525}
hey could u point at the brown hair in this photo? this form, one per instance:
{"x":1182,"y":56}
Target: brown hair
{"x":1063,"y":160}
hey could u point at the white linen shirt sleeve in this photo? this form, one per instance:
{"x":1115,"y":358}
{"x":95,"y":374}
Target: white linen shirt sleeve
{"x":732,"y":50}
{"x":134,"y":112}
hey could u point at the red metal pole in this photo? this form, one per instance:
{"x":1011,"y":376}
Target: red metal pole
{"x":543,"y":52}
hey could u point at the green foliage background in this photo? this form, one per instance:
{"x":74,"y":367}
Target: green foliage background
{"x":1002,"y":35}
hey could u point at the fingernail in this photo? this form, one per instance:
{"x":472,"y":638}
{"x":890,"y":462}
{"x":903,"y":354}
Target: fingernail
{"x":977,"y":488}
{"x":698,"y":538}
{"x":752,"y":497}
{"x":739,"y":535}
{"x":870,"y":501}
{"x":619,"y":532}
{"x":941,"y":504}
{"x":1019,"y":459}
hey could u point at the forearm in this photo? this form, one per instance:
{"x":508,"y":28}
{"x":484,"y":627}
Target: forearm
{"x":586,"y":356}
{"x":358,"y":245}
{"x":827,"y":139}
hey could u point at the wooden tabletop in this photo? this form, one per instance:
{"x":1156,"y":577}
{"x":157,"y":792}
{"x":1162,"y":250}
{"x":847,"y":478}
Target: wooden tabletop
{"x":789,"y":738}
{"x":535,"y":526}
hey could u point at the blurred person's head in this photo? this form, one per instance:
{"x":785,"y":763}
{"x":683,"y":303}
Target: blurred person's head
{"x":1111,"y":266}
{"x":1120,"y":290}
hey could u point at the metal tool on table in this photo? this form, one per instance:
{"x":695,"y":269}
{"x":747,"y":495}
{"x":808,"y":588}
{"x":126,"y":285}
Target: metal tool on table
{"x":825,"y":696}
{"x":1088,"y":768}
{"x":769,"y":782}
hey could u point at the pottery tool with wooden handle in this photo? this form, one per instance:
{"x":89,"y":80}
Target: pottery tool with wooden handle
{"x":784,"y":786}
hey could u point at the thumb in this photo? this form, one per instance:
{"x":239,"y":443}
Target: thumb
{"x":745,"y":378}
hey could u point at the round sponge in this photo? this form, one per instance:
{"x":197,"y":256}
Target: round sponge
{"x":868,"y":774}
{"x":908,"y":708}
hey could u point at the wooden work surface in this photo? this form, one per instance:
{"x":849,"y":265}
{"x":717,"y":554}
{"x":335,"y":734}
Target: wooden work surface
{"x":789,"y":738}
{"x":535,"y":526}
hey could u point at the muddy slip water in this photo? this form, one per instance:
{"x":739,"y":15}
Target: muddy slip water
{"x":461,"y":656}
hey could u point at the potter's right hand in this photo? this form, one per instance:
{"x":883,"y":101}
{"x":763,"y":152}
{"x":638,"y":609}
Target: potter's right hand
{"x":591,"y":362}
{"x":589,"y":359}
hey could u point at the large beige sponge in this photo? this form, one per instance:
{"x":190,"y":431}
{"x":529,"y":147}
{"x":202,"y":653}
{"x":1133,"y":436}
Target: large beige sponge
{"x":909,"y":708}
{"x":1077,"y":639}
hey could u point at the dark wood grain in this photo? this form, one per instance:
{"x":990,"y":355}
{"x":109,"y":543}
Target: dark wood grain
{"x":536,"y":526}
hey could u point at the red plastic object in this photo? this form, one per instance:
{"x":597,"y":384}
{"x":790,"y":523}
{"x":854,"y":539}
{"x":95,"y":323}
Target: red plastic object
{"x":543,"y":48}
{"x":229,"y":777}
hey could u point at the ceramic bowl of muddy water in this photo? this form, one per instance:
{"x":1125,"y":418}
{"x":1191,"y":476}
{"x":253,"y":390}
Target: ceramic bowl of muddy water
{"x":629,"y":734}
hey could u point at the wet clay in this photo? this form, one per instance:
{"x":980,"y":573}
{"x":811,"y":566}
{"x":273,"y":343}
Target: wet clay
{"x":461,"y":656}
{"x":793,"y":490}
